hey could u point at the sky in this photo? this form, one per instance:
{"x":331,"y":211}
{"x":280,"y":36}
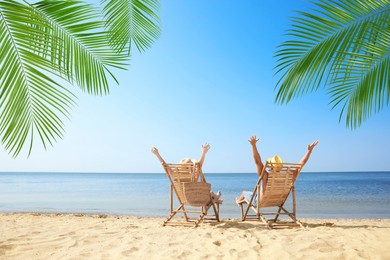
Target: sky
{"x":209,"y":78}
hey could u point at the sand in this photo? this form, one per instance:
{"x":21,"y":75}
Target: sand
{"x":78,"y":236}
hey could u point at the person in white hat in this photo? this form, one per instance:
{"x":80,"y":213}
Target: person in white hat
{"x":205,"y":148}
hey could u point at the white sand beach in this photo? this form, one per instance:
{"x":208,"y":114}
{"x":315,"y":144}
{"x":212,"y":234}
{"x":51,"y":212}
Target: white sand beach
{"x":78,"y":236}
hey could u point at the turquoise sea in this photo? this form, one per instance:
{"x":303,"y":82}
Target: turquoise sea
{"x":319,"y":195}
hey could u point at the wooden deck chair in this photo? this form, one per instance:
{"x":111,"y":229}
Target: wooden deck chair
{"x":189,"y":187}
{"x":280,"y":184}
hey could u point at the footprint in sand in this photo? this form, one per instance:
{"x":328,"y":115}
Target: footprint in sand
{"x":217,"y":243}
{"x":130,"y":251}
{"x":5,"y":248}
{"x":232,"y":251}
{"x":257,"y":247}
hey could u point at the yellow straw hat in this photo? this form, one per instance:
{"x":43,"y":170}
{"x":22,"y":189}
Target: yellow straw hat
{"x":276,"y":161}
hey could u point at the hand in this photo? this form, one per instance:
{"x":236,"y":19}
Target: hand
{"x":205,"y":148}
{"x":253,"y":140}
{"x":154,"y":150}
{"x":311,"y":146}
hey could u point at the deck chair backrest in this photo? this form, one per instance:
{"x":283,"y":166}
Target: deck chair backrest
{"x":281,"y":178}
{"x":183,"y":172}
{"x":184,"y":179}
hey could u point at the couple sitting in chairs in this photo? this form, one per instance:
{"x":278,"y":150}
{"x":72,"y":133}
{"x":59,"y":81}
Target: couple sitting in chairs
{"x":275,"y":183}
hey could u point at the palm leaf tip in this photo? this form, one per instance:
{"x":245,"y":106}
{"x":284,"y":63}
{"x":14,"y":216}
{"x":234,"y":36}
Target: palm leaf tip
{"x":132,"y":22}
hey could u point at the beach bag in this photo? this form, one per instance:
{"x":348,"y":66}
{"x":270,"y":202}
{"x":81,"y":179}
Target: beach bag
{"x":196,"y":194}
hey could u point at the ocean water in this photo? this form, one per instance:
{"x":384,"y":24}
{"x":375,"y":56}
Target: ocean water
{"x":319,"y":195}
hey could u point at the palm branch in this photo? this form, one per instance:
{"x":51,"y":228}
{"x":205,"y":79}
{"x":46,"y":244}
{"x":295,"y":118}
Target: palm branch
{"x":30,"y":100}
{"x":344,"y":47}
{"x":132,"y":21}
{"x":39,"y":44}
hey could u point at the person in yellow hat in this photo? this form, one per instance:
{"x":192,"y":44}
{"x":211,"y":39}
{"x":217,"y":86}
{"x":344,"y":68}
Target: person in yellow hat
{"x":246,"y":195}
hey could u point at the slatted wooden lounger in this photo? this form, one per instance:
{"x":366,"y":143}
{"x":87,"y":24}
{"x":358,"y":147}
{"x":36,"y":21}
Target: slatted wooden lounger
{"x":192,"y":192}
{"x":280,"y":184}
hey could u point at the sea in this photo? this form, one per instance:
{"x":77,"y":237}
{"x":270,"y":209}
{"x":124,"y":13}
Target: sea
{"x":318,"y":195}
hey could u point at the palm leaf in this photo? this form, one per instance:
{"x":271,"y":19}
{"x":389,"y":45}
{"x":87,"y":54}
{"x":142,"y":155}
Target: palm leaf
{"x":79,"y":46}
{"x":337,"y":47}
{"x":132,"y":21}
{"x":30,"y":101}
{"x":48,"y":40}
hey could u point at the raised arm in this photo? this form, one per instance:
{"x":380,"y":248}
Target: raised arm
{"x":155,"y":152}
{"x":306,"y":157}
{"x":205,"y":149}
{"x":256,"y":156}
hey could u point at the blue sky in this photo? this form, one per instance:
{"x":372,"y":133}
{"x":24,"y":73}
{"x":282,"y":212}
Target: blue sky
{"x":209,"y":78}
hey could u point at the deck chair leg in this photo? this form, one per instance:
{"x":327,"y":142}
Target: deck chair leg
{"x":277,"y":214}
{"x":293,"y":217}
{"x":208,"y":206}
{"x":250,"y":202}
{"x":289,"y":214}
{"x":215,"y":208}
{"x":242,"y":211}
{"x":173,"y":213}
{"x":246,"y":212}
{"x":265,"y":221}
{"x":294,"y":202}
{"x":185,"y":213}
{"x":206,"y":209}
{"x":200,"y":219}
{"x":216,"y":211}
{"x":171,"y":200}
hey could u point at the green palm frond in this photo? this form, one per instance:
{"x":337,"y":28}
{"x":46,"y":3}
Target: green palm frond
{"x":49,"y":40}
{"x":344,"y":47}
{"x":30,"y":101}
{"x":79,"y":46}
{"x":132,"y":21}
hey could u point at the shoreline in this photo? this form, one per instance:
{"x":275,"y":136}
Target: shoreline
{"x":225,"y":219}
{"x":91,"y":236}
{"x":164,"y":216}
